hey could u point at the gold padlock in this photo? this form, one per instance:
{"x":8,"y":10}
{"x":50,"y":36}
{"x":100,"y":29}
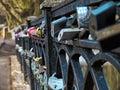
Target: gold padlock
{"x":37,"y":60}
{"x":39,"y":32}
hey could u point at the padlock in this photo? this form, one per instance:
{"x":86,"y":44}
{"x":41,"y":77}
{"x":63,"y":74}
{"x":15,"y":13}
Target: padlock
{"x":42,"y":69}
{"x":32,"y":32}
{"x":20,"y":49}
{"x":83,"y":16}
{"x":68,"y":33}
{"x":109,"y":38}
{"x":36,"y":72}
{"x":102,"y":17}
{"x":39,"y":32}
{"x":30,"y":55}
{"x":57,"y":25}
{"x":17,"y":46}
{"x":37,"y":61}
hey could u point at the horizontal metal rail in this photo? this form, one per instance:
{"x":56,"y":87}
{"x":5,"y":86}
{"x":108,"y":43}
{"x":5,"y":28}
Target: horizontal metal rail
{"x":69,"y":6}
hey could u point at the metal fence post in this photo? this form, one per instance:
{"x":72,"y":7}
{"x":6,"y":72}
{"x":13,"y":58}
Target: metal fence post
{"x":48,"y":38}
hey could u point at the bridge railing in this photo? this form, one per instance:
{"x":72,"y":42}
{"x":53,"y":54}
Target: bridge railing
{"x":73,"y":50}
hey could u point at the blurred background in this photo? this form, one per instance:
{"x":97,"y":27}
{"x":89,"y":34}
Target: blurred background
{"x":14,"y":13}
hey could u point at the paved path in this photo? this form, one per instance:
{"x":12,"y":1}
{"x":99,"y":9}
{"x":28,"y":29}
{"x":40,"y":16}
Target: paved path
{"x":11,"y":77}
{"x":17,"y":77}
{"x":7,"y":47}
{"x":4,"y":73}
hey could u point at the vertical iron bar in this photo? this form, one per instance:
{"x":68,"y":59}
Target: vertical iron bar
{"x":31,"y":76}
{"x":48,"y":38}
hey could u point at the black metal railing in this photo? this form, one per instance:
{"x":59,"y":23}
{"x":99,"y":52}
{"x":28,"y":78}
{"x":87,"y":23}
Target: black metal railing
{"x":78,"y":62}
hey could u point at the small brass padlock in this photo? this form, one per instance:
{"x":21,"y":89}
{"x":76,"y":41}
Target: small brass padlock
{"x":37,"y":61}
{"x":39,"y":32}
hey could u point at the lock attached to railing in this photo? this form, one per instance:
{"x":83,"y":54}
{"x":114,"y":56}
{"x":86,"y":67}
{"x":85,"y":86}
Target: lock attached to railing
{"x":68,"y":34}
{"x":39,"y":70}
{"x":39,"y":32}
{"x":103,"y":27}
{"x":109,"y":38}
{"x":37,"y":61}
{"x":102,"y":17}
{"x":57,"y":25}
{"x":21,"y":51}
{"x":30,"y":54}
{"x":83,"y":16}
